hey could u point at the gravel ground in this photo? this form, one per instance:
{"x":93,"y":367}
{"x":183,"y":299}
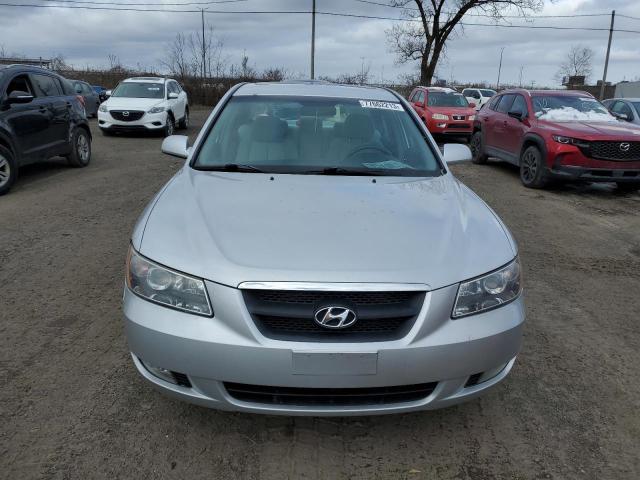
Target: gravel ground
{"x":72,"y":405}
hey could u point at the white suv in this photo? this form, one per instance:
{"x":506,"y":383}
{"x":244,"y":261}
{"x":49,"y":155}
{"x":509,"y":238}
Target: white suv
{"x":145,"y":104}
{"x":479,"y":96}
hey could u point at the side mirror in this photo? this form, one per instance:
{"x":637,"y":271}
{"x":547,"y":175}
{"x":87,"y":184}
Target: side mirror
{"x":18,"y":96}
{"x":173,"y":96}
{"x":176,"y":146}
{"x":456,"y":152}
{"x":107,"y":93}
{"x":517,"y":115}
{"x":472,"y":104}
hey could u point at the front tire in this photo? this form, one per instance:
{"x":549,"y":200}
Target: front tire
{"x":533,"y":173}
{"x":478,"y":157}
{"x":80,"y":155}
{"x":8,"y":170}
{"x":169,"y":126}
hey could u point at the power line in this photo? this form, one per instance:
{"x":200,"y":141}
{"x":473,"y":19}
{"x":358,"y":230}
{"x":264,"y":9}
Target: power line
{"x":211,"y":2}
{"x":305,"y":12}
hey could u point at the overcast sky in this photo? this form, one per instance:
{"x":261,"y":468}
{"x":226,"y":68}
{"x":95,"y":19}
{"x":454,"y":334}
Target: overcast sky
{"x":87,"y":37}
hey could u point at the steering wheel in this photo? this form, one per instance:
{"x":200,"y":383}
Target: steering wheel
{"x":364,"y":148}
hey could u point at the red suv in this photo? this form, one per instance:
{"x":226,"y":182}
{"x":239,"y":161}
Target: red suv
{"x":444,"y":111}
{"x":557,"y":134}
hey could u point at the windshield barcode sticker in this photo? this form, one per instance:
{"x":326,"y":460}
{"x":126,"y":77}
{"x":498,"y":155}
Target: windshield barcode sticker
{"x":377,"y":104}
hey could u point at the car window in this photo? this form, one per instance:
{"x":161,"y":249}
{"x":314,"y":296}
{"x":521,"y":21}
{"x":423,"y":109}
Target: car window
{"x":622,"y":107}
{"x":569,"y":108}
{"x":446,"y":99}
{"x":505,"y":103}
{"x":473,"y":94}
{"x":47,"y":85}
{"x":20,"y":83}
{"x":77,"y":87}
{"x":487,"y":93}
{"x":420,"y":97}
{"x":519,"y":106}
{"x":494,"y":102}
{"x":308,"y":134}
{"x":86,"y":89}
{"x":139,"y":90}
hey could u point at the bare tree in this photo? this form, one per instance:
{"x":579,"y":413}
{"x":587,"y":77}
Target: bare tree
{"x":177,"y":59}
{"x":59,"y":64}
{"x":212,"y":50}
{"x":577,"y":63}
{"x":429,"y":24}
{"x":3,"y":52}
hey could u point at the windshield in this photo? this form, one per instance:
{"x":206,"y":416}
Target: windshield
{"x":317,"y":135}
{"x":446,"y":99}
{"x":139,"y":90}
{"x":488,"y":93}
{"x":569,"y":108}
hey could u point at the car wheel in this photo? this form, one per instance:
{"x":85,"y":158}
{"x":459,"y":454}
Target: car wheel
{"x":184,"y":123}
{"x":532,"y":170}
{"x":477,"y":149}
{"x":628,"y":186}
{"x":80,"y":148}
{"x":169,"y":127}
{"x":8,"y":170}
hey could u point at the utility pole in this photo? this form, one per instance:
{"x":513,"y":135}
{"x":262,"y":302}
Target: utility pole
{"x":521,"y":69}
{"x":204,"y":49}
{"x":362,"y":70}
{"x":499,"y":69}
{"x":313,"y":39}
{"x":606,"y":62}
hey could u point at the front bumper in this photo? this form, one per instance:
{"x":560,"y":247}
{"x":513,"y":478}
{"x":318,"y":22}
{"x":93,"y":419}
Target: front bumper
{"x":569,"y":163}
{"x":148,"y":122}
{"x":229,"y":348}
{"x":450,"y":127}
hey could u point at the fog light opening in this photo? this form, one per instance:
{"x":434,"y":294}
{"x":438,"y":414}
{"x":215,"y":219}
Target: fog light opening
{"x":481,"y":377}
{"x":175,"y":378}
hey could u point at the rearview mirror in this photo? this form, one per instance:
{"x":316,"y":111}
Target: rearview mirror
{"x":173,"y":96}
{"x":456,"y":152}
{"x":516,"y":115}
{"x":107,"y":93}
{"x":18,"y":96}
{"x":176,"y":146}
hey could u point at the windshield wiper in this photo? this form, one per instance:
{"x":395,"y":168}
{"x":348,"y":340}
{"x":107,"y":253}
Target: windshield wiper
{"x":350,"y":171}
{"x":231,"y":167}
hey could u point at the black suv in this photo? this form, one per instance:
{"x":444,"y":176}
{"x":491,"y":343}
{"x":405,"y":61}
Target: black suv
{"x":40,"y":117}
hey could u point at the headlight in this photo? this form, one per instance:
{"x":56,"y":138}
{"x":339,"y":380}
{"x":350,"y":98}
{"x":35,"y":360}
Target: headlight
{"x":472,"y":118}
{"x":440,"y":116}
{"x":103,"y":108}
{"x":156,"y":110}
{"x":489,"y":291}
{"x":570,"y":141}
{"x":166,"y":287}
{"x":561,"y":139}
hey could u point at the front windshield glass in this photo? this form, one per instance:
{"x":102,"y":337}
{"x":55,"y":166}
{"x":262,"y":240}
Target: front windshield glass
{"x":317,"y":135}
{"x":488,"y":93}
{"x":567,"y":108}
{"x":139,"y":90}
{"x":446,"y":99}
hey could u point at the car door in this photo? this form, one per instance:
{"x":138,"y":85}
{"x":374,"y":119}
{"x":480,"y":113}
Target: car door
{"x":515,"y":128}
{"x":420,"y":102}
{"x":59,"y":105}
{"x":91,"y":101}
{"x":174,"y":103}
{"x":500,"y":121}
{"x":488,"y":118}
{"x":30,"y":122}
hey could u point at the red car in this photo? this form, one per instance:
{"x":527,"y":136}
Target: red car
{"x":444,"y":111}
{"x":557,"y":134}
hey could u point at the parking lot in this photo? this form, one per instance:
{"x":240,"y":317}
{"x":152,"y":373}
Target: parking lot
{"x":72,"y":405}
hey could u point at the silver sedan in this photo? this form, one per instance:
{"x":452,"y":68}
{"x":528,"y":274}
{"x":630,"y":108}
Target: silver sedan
{"x":315,"y":256}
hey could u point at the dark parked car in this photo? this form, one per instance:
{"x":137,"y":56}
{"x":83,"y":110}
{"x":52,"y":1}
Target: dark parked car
{"x":41,"y":117}
{"x":91,"y":98}
{"x":101,"y":91}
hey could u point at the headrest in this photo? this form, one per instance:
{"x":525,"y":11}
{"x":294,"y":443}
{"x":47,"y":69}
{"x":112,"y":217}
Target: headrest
{"x":310,"y":124}
{"x":358,"y":125}
{"x":268,"y":129}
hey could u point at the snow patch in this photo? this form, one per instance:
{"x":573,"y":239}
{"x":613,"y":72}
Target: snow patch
{"x":568,"y":114}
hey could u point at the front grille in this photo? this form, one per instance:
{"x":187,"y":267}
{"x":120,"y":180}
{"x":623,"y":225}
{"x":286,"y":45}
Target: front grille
{"x":132,"y":115}
{"x":289,"y":314}
{"x":612,"y":150}
{"x":329,"y":396}
{"x":458,"y":117}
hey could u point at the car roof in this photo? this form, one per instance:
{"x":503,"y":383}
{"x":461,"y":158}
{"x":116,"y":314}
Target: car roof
{"x":316,"y":89}
{"x":146,"y":79}
{"x":568,"y":93}
{"x":28,"y":68}
{"x":632,"y":99}
{"x":438,"y":89}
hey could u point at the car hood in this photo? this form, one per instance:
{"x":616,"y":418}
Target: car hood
{"x":594,"y":130}
{"x":132,"y":103}
{"x":235,"y":227}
